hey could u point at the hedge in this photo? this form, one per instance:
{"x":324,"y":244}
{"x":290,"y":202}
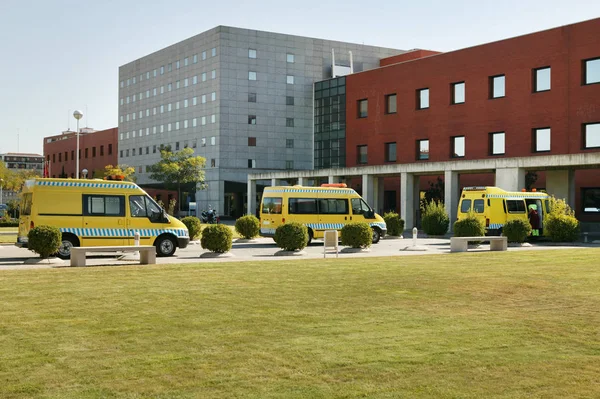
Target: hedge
{"x":291,"y":236}
{"x":193,"y":225}
{"x":44,"y":240}
{"x":216,"y":238}
{"x":357,"y":235}
{"x":247,"y":226}
{"x":395,"y":224}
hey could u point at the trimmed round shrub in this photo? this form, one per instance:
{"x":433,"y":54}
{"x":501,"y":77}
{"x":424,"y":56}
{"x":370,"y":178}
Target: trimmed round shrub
{"x":216,"y":238}
{"x":357,"y":235}
{"x":561,"y":228}
{"x":193,"y":225}
{"x":560,"y":225}
{"x":435,"y":220}
{"x":470,"y":226}
{"x":291,"y":236}
{"x":247,"y":226}
{"x":395,"y":225}
{"x":516,"y":230}
{"x":44,"y":240}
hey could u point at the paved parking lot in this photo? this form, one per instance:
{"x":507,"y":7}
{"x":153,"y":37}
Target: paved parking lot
{"x":264,"y":249}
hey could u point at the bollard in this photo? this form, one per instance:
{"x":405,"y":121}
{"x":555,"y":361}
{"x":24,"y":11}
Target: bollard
{"x":585,"y":237}
{"x":136,"y":239}
{"x":415,"y":231}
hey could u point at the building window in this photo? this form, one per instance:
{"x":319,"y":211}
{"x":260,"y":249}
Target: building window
{"x":422,"y":149}
{"x":213,"y":52}
{"x":203,"y":100}
{"x":126,"y":153}
{"x":289,"y":100}
{"x":541,"y":139}
{"x":213,"y":74}
{"x":361,"y":154}
{"x":109,"y":150}
{"x":177,"y":146}
{"x":147,"y":150}
{"x":289,"y":58}
{"x":591,"y":71}
{"x":363,"y":108}
{"x":60,"y":157}
{"x":251,"y":75}
{"x":251,"y":141}
{"x":251,"y":53}
{"x":497,"y":86}
{"x":289,"y":164}
{"x":591,"y":135}
{"x":458,"y":93}
{"x":390,"y":104}
{"x":289,"y":143}
{"x":121,"y":153}
{"x":213,"y":140}
{"x":390,"y":152}
{"x":252,"y":163}
{"x":289,"y":122}
{"x":458,"y":147}
{"x":86,"y":152}
{"x":203,"y":55}
{"x":541,"y":79}
{"x":195,"y":59}
{"x":213,"y":163}
{"x":133,"y":152}
{"x":93,"y":152}
{"x":73,"y":153}
{"x":497,"y":144}
{"x":213,"y":96}
{"x":423,"y":98}
{"x":290,"y":79}
{"x":590,"y":199}
{"x":251,"y":97}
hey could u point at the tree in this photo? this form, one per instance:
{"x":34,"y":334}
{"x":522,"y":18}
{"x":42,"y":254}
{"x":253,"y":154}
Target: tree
{"x":177,"y":168}
{"x":128,"y":172}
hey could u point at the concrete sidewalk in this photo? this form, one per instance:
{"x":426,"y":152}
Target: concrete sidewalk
{"x":264,"y":249}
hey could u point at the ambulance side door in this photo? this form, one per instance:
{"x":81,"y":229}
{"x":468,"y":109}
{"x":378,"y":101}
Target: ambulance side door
{"x":103,"y":220}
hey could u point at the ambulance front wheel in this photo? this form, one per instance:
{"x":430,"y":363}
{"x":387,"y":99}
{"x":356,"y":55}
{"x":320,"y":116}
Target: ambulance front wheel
{"x":165,"y":246}
{"x":376,"y":235}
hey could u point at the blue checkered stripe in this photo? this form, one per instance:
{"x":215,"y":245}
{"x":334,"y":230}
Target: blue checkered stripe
{"x":519,"y":196}
{"x":338,"y":226}
{"x":102,"y":184}
{"x":123,"y":232}
{"x":310,"y":190}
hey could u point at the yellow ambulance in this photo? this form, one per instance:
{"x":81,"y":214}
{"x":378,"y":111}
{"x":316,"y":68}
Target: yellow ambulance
{"x":328,"y":207}
{"x":98,"y":213}
{"x":495,"y":207}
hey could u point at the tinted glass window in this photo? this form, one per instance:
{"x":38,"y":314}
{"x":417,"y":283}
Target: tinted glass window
{"x":302,"y":206}
{"x":465,"y":206}
{"x":478,"y":206}
{"x":515,"y":206}
{"x":104,"y":205}
{"x":272,"y":205}
{"x":359,"y":206}
{"x":331,"y":206}
{"x":26,"y":204}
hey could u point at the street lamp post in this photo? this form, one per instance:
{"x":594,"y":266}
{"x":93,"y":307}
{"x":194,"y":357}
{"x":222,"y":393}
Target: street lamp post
{"x":1,"y":184}
{"x":77,"y":115}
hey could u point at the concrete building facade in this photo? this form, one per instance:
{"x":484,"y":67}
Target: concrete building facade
{"x":243,"y":99}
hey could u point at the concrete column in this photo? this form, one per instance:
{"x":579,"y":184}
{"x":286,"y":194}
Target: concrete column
{"x":301,"y":181}
{"x":408,"y":192}
{"x":451,"y":195}
{"x":368,"y":189}
{"x":251,"y":206}
{"x":380,"y":196}
{"x":273,"y":182}
{"x":332,"y":179}
{"x":510,"y":179}
{"x":561,"y":184}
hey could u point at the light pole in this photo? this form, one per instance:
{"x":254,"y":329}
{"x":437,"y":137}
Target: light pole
{"x":78,"y":115}
{"x":1,"y":184}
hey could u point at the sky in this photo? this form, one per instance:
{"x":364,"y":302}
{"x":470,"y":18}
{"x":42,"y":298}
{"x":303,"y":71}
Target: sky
{"x":59,"y":56}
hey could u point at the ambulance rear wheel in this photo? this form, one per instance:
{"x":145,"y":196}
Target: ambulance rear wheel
{"x":68,"y":242}
{"x":165,"y":246}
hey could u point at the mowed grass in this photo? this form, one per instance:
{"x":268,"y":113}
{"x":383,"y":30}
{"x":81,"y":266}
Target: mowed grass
{"x":477,"y":325}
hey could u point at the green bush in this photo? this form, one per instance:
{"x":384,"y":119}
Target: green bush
{"x":193,"y":225}
{"x":216,"y":238}
{"x":357,"y":235}
{"x":470,"y":226}
{"x":560,"y":225}
{"x":516,"y":230}
{"x":435,"y":220}
{"x":395,"y":225}
{"x":44,"y":240}
{"x":247,"y":226}
{"x":291,"y":236}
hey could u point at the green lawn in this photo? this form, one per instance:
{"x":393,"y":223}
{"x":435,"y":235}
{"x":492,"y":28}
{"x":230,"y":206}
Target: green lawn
{"x":8,"y":238}
{"x":473,"y":325}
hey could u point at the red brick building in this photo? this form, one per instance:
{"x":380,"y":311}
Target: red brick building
{"x":96,"y":150}
{"x":532,"y":95}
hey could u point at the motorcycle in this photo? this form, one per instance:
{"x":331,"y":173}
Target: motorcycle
{"x":209,"y":216}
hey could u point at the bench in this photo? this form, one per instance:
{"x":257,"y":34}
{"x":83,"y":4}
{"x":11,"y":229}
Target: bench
{"x":147,"y":253}
{"x":460,"y":244}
